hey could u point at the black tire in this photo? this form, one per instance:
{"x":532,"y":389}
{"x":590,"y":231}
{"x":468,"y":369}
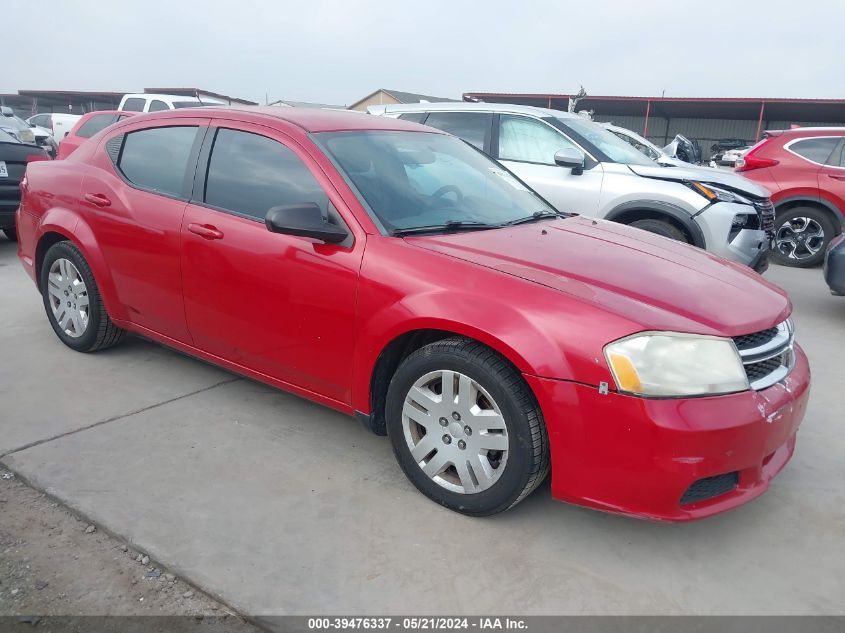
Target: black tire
{"x":661,"y":227}
{"x":780,"y":253}
{"x":528,"y":446}
{"x":11,"y":233}
{"x":100,"y":333}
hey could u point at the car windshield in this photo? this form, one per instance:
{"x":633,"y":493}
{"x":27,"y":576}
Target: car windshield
{"x":5,"y":137}
{"x":613,"y":148}
{"x":420,"y":179}
{"x":14,"y":122}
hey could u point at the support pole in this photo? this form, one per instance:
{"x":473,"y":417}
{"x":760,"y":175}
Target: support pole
{"x":647,"y":113}
{"x":760,"y":121}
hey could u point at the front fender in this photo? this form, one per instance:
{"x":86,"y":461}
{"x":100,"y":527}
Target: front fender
{"x":77,"y":230}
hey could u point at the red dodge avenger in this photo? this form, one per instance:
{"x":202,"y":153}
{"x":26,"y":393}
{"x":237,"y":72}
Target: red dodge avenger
{"x":395,"y":273}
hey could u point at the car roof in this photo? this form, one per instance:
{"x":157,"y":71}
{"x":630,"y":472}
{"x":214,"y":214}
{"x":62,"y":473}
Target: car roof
{"x":307,"y":119}
{"x":808,"y":131}
{"x":463,"y":106}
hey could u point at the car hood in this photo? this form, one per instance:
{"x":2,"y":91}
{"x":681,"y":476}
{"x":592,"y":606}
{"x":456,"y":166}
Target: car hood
{"x":650,"y":280}
{"x":703,"y":174}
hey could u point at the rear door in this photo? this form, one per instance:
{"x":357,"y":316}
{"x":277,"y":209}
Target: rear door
{"x":527,"y":146}
{"x":134,"y":198}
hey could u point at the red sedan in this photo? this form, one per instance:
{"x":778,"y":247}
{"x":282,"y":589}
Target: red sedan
{"x":394,"y":273}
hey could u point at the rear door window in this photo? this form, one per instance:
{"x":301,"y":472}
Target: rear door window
{"x":416,"y":117}
{"x":157,"y":158}
{"x":95,"y":124}
{"x":135,"y":104}
{"x":473,"y":127}
{"x":816,"y":150}
{"x":250,"y":174}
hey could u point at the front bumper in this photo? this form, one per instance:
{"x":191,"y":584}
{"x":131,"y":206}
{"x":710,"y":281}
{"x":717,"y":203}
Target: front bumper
{"x":745,"y":247}
{"x":640,"y":456}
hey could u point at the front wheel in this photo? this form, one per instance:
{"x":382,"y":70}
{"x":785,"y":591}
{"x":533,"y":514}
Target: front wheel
{"x":465,"y":428}
{"x":73,"y":303}
{"x":801,"y":237}
{"x":660,"y":227}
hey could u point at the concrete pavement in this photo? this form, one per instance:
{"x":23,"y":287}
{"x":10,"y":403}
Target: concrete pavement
{"x":279,"y":506}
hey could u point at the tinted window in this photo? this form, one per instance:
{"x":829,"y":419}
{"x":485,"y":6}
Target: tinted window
{"x":815,"y":149}
{"x":157,"y":158}
{"x":416,"y":117}
{"x":135,"y":104}
{"x":191,"y":104}
{"x":473,"y":127}
{"x":95,"y":124}
{"x":250,"y":174}
{"x":42,"y":120}
{"x":529,"y":140}
{"x":158,"y":106}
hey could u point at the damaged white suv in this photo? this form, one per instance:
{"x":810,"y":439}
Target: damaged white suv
{"x":581,"y":167}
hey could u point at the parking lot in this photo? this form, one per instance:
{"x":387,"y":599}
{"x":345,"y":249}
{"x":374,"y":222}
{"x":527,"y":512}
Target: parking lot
{"x":275,"y":505}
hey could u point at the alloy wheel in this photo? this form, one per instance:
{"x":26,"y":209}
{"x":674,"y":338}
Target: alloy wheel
{"x":68,"y":297}
{"x":455,"y":431}
{"x":799,"y":238}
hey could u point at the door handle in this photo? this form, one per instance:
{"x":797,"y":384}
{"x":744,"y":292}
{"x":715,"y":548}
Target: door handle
{"x":206,"y":231}
{"x":97,"y":199}
{"x":836,"y":177}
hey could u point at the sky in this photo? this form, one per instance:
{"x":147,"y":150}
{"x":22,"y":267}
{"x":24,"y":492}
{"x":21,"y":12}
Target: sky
{"x":337,"y":52}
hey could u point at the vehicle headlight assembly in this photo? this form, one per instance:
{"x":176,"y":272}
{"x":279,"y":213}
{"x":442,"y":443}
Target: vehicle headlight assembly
{"x":717,"y":194}
{"x":675,"y":365}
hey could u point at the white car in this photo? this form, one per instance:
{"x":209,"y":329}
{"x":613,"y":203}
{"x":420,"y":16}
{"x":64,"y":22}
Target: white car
{"x":155,"y":103}
{"x":25,"y":132}
{"x":580,"y":166}
{"x":645,"y":147}
{"x":57,"y":124}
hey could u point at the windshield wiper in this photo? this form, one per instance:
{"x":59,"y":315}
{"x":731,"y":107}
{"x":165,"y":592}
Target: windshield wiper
{"x":451,"y":225}
{"x":534,"y":217}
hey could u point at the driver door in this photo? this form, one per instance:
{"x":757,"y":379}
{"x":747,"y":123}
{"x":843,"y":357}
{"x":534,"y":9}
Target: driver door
{"x":527,"y":147}
{"x":277,"y":304}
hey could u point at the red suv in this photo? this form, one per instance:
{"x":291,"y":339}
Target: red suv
{"x":86,"y":127}
{"x":804,"y":168}
{"x":395,"y":273}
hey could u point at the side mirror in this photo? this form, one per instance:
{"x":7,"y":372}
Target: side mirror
{"x":571,"y":157}
{"x":304,"y":219}
{"x":32,"y":125}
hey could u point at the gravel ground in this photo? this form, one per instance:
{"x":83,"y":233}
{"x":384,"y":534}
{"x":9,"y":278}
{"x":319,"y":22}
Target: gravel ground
{"x":52,"y":563}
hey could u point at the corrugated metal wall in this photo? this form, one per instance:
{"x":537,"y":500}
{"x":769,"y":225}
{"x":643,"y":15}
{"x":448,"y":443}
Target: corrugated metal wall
{"x":706,"y":131}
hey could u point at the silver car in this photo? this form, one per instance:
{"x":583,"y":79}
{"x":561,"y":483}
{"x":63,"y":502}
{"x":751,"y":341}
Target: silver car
{"x":581,"y":167}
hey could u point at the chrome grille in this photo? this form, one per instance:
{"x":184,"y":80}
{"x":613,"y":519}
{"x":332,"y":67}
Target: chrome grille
{"x":767,"y":216}
{"x":767,"y":355}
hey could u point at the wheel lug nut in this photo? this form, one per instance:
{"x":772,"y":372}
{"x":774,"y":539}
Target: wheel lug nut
{"x":467,"y":430}
{"x":456,"y":416}
{"x":447,"y":439}
{"x":461,"y":444}
{"x":68,"y":304}
{"x":443,"y":421}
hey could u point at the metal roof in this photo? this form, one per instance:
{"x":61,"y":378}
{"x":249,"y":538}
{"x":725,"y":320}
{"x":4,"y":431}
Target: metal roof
{"x":681,"y":107}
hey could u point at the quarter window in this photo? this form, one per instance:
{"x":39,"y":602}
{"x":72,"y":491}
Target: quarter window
{"x":158,"y":106}
{"x":157,"y":158}
{"x":135,"y":104}
{"x":416,"y":117}
{"x":250,"y":174}
{"x":473,"y":127}
{"x":817,"y":150}
{"x":95,"y":124}
{"x":529,"y":140}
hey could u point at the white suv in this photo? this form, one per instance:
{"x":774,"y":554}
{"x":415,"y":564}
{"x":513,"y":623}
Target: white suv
{"x":581,"y":167}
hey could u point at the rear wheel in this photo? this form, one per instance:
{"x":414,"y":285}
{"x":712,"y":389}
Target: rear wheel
{"x":11,"y":233}
{"x":73,"y":303}
{"x":465,"y":428}
{"x":801,"y":237}
{"x":660,"y":227}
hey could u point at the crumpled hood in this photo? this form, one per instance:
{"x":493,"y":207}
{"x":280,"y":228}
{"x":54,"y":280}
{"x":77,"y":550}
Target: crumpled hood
{"x":653,"y":281}
{"x":703,"y":174}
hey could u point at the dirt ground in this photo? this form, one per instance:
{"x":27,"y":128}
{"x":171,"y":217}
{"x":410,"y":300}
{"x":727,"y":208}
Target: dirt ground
{"x":54,"y":564}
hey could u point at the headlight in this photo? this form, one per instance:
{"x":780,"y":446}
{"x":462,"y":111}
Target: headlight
{"x":714,"y":193}
{"x":671,"y":365}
